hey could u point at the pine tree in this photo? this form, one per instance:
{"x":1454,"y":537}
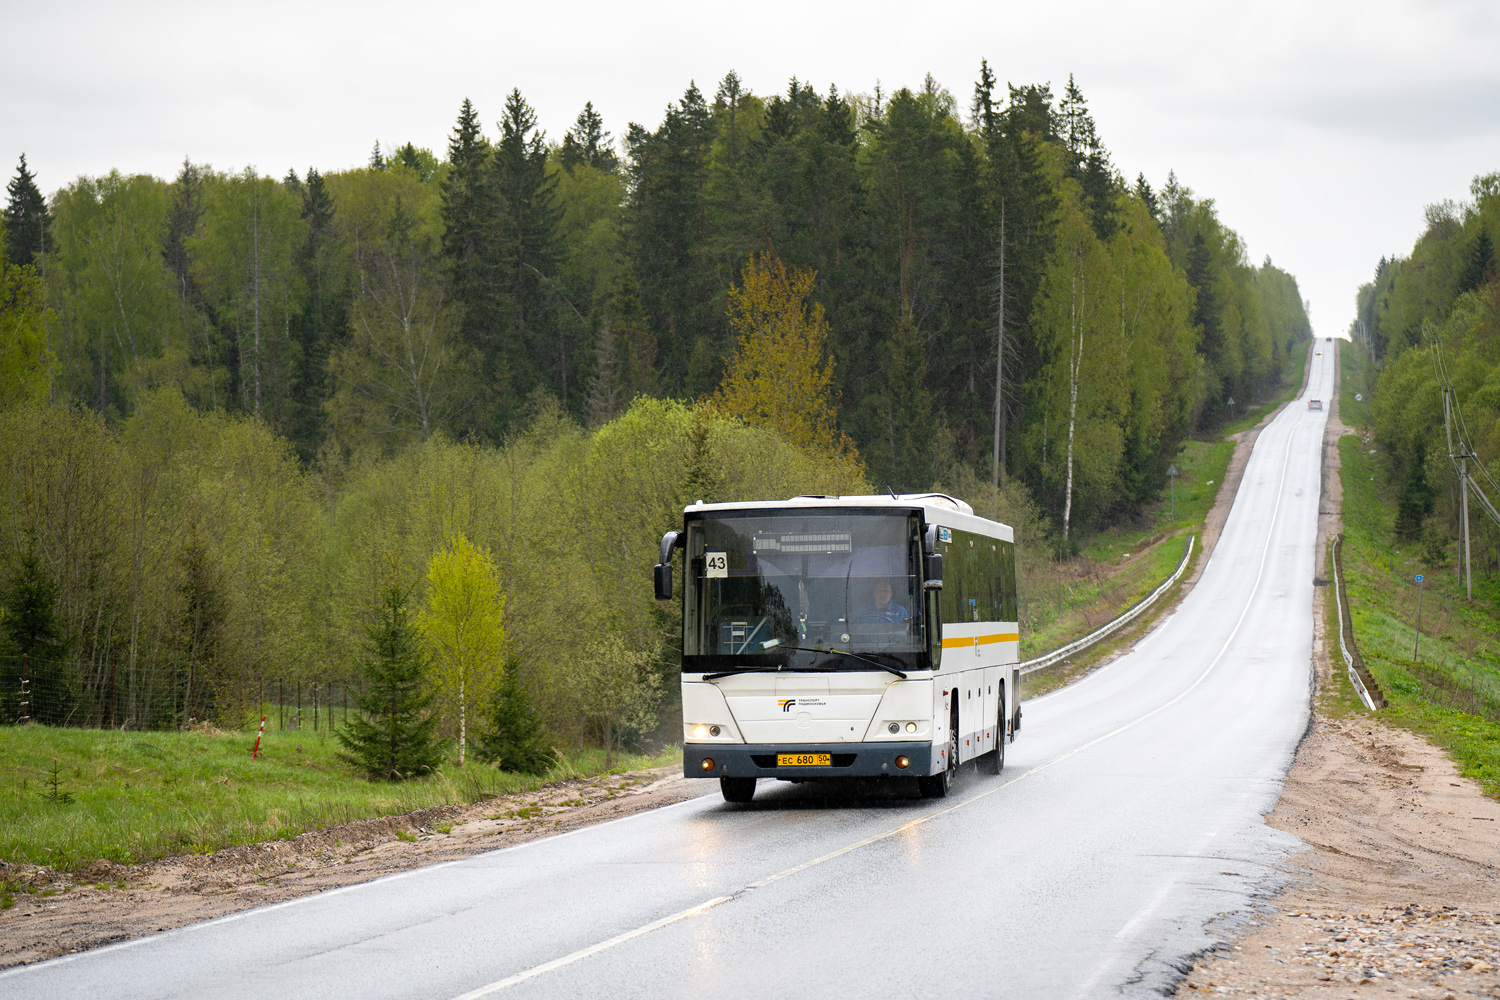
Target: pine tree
{"x":26,"y":220}
{"x":377,"y":159}
{"x":515,"y":740}
{"x":393,"y":737}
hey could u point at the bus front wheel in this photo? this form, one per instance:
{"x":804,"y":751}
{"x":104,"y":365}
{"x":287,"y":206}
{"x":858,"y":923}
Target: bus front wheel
{"x":935,"y":786}
{"x":737,"y":789}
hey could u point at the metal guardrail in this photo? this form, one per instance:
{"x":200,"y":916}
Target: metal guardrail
{"x":1347,"y":622}
{"x":1077,"y":645}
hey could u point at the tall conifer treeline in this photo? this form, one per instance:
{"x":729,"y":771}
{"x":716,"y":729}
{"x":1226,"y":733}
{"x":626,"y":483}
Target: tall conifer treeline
{"x":358,"y":311}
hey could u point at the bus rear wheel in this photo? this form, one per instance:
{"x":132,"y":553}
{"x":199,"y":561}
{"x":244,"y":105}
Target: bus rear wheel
{"x":997,"y":755}
{"x":737,"y":789}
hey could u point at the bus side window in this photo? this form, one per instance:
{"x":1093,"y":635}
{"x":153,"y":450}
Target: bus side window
{"x":1008,"y":581}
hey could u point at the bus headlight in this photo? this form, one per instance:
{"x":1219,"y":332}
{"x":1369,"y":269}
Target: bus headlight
{"x":700,"y":730}
{"x":894,"y":728}
{"x":911,"y":727}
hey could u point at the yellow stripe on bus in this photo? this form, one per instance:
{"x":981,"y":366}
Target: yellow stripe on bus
{"x":983,"y":640}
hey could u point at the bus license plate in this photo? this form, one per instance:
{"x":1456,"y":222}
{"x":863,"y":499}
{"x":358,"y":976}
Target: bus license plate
{"x":804,"y":760}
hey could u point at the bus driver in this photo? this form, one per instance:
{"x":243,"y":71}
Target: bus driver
{"x":881,"y":607}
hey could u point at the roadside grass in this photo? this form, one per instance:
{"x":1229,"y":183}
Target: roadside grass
{"x":70,"y":796}
{"x":1448,"y":688}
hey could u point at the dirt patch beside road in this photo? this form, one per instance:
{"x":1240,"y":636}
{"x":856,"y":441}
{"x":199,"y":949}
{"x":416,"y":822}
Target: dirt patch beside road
{"x":105,"y":903}
{"x":1400,"y":893}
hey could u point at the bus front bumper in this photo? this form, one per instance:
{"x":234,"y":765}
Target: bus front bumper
{"x":846,"y":760}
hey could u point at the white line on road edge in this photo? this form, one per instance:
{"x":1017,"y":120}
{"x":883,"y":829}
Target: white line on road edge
{"x":594,"y":949}
{"x":228,"y":918}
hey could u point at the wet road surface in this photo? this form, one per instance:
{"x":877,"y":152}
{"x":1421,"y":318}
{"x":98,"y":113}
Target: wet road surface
{"x":1128,"y":819}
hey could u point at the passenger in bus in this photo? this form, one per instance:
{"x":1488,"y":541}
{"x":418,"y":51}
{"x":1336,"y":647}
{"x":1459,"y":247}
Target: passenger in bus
{"x":881,"y":607}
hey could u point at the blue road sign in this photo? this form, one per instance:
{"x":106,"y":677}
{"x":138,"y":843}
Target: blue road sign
{"x":1419,"y":577}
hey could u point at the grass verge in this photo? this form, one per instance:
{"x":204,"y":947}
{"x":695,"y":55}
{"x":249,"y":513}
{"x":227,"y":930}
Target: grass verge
{"x":70,"y":796}
{"x":1445,"y":685}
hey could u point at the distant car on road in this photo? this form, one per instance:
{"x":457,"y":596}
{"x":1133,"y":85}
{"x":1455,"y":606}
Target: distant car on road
{"x":1314,"y":404}
{"x":1318,"y":353}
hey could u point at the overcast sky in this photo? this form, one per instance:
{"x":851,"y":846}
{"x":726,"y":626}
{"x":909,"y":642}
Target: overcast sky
{"x":1320,"y":129}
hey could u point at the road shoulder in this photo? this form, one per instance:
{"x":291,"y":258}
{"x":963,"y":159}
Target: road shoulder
{"x":57,"y":913}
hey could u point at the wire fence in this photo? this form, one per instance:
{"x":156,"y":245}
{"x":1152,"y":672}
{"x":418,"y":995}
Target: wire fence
{"x":110,"y":695}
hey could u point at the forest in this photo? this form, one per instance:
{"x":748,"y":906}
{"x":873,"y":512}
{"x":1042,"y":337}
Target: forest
{"x":1443,"y":297}
{"x":236,"y":405}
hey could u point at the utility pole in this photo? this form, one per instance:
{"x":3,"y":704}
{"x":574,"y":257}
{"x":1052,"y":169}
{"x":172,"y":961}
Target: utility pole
{"x":1463,"y":504}
{"x":1000,"y":363}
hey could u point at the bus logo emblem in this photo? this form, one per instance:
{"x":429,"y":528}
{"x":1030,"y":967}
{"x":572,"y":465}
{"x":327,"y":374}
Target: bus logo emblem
{"x":786,"y":703}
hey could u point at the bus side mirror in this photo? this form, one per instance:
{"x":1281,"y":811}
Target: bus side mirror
{"x":663,"y":571}
{"x":932,"y":571}
{"x":932,"y":560}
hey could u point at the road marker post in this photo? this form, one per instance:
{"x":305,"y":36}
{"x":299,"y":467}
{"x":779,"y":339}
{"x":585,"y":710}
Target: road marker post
{"x":255,"y":754}
{"x":1418,"y":640}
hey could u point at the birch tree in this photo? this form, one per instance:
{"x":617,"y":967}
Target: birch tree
{"x":403,"y":374}
{"x":1087,"y":391}
{"x":244,"y":258}
{"x":463,"y":626}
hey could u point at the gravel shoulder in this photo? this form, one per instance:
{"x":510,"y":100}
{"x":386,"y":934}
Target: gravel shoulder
{"x":56,"y":913}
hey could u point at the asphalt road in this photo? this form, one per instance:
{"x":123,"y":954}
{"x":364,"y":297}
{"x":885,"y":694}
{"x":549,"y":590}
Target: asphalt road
{"x":1127,"y":823}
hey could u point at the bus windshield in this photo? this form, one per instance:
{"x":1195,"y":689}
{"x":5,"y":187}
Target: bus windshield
{"x":788,"y":588}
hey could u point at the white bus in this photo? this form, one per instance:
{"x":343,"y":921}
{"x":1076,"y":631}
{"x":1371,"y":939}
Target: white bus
{"x":839,"y":637}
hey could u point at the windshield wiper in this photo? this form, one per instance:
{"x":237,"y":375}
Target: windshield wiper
{"x":765,"y":670}
{"x":822,"y":667}
{"x":840,"y":652}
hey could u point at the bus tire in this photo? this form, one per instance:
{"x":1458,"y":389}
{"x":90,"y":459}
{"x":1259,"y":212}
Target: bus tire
{"x":936,"y":786}
{"x":997,"y":755}
{"x":737,"y":789}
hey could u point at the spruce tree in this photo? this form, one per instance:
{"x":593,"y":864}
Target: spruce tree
{"x":30,"y":601}
{"x":587,"y":142}
{"x":524,"y":259}
{"x":183,"y":219}
{"x":468,"y":246}
{"x":516,"y":739}
{"x":393,"y":737}
{"x":26,"y":219}
{"x":1478,"y":263}
{"x":318,"y":323}
{"x":1146,"y":195}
